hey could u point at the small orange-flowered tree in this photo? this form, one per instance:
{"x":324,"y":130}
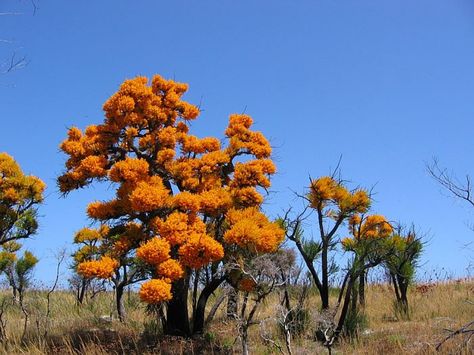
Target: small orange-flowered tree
{"x":20,"y":195}
{"x":115,"y":259}
{"x":334,"y":204}
{"x":371,"y":245}
{"x":369,"y":242}
{"x":193,"y":202}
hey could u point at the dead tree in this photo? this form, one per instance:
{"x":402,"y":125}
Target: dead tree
{"x":461,"y":189}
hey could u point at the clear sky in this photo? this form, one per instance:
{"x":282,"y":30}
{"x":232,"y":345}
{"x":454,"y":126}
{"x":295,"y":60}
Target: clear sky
{"x":386,"y":84}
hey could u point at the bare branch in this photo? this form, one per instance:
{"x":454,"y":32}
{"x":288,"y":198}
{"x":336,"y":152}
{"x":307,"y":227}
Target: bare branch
{"x":462,"y":190}
{"x":15,"y":63}
{"x":465,"y":329}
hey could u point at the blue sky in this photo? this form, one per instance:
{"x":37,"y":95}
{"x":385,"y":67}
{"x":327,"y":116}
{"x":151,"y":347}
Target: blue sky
{"x":387,"y":85}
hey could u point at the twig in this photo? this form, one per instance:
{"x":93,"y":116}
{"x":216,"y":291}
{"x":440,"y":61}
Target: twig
{"x":465,"y":329}
{"x":60,"y":258}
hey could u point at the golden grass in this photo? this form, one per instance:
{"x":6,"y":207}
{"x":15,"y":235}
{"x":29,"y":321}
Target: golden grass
{"x":78,"y":329}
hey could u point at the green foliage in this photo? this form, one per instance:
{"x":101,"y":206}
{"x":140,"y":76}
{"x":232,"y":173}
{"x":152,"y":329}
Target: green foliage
{"x":405,"y":256}
{"x":312,"y":249}
{"x":401,"y":310}
{"x":12,"y":246}
{"x":152,"y":330}
{"x":210,"y":337}
{"x":25,"y":264}
{"x":402,"y":262}
{"x":26,"y":224}
{"x":17,"y":270}
{"x":7,"y":259}
{"x":281,"y":223}
{"x":356,"y":321}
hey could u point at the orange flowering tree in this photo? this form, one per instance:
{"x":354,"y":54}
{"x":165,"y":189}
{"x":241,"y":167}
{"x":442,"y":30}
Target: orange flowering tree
{"x":334,"y":204}
{"x":105,"y":253}
{"x":20,"y":195}
{"x":369,"y":237}
{"x":193,"y":202}
{"x":371,"y":245}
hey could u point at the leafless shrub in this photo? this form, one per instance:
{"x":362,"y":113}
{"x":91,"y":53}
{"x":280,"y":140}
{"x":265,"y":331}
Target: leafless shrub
{"x":257,"y":278}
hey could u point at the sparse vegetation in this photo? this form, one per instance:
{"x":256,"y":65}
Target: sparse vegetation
{"x":90,"y":328}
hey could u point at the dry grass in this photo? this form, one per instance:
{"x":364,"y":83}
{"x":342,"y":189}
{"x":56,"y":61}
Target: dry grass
{"x":73,"y":329}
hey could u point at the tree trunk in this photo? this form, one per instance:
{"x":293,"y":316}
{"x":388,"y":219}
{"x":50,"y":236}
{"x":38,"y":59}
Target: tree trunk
{"x":345,"y":307}
{"x":324,"y":281}
{"x":403,"y":286}
{"x":310,"y":266}
{"x":15,"y":294}
{"x":286,"y":299}
{"x":82,"y":291}
{"x":195,"y":289}
{"x":214,"y":308}
{"x":362,"y":289}
{"x":119,"y":302}
{"x":354,"y":297}
{"x":198,"y":317}
{"x":177,"y":317}
{"x":12,"y":282}
{"x":232,"y":303}
{"x":395,"y":286}
{"x":245,"y":342}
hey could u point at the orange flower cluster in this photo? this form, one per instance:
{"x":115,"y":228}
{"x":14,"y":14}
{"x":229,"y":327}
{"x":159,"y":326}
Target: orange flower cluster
{"x":242,"y":138}
{"x":326,"y":190}
{"x":247,"y":197}
{"x":170,"y":269}
{"x":215,"y":201}
{"x":375,"y":226}
{"x":105,"y":210}
{"x":348,"y":243}
{"x":367,"y":229}
{"x":129,"y":113}
{"x":192,"y":144}
{"x":130,"y":169}
{"x":155,"y":291}
{"x":90,"y":234}
{"x":199,"y":250}
{"x":149,"y":195}
{"x":251,"y":229}
{"x":102,"y":268}
{"x":187,"y":202}
{"x":253,"y":173}
{"x":155,"y":251}
{"x":16,"y":188}
{"x":174,"y":229}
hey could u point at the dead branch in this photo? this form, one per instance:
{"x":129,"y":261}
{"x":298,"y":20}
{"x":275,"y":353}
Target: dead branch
{"x":14,"y":63}
{"x":465,"y":329}
{"x":450,"y":182}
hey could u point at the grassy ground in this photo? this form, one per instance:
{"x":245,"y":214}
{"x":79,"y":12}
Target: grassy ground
{"x":73,"y":329}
